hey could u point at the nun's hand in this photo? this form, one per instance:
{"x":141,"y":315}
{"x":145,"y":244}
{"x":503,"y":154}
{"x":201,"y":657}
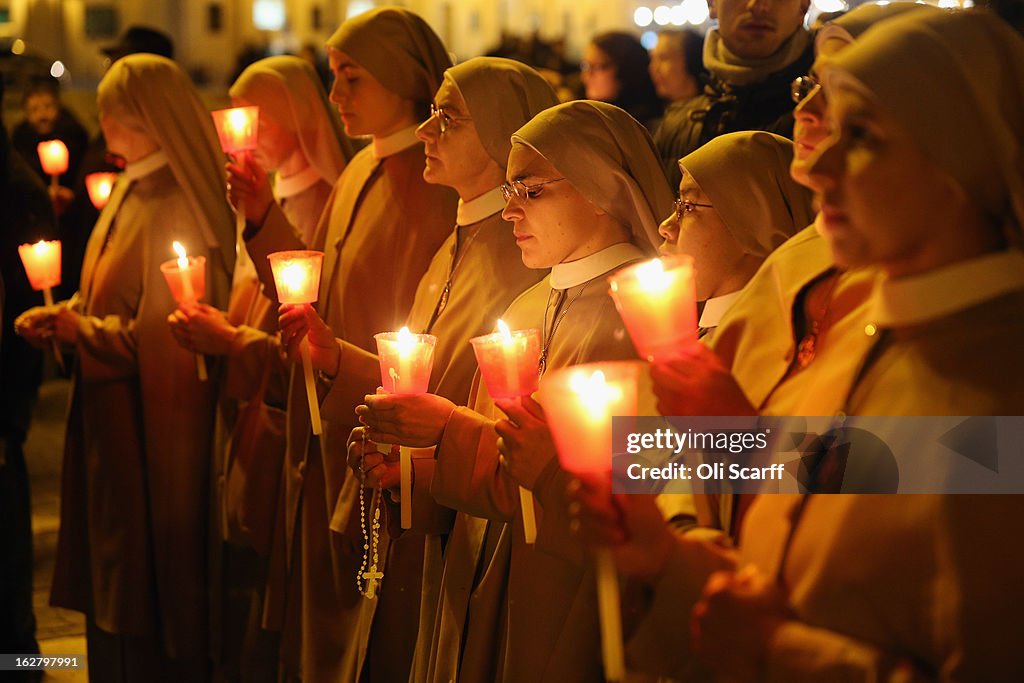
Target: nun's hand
{"x":698,"y":384}
{"x":36,"y":325}
{"x":208,"y":330}
{"x":417,"y":421}
{"x":298,"y":322}
{"x":178,"y":321}
{"x":734,"y":621}
{"x":373,"y":467}
{"x":67,"y":325}
{"x":249,"y":188}
{"x":524,"y":439}
{"x":630,"y":525}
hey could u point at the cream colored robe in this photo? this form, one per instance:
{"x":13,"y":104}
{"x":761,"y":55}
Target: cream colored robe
{"x":135,"y":492}
{"x":490,"y":274}
{"x":879,"y":579}
{"x":381,"y":227}
{"x":510,"y":611}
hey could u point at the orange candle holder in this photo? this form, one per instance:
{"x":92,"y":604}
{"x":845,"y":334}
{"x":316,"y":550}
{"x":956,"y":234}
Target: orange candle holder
{"x":237,"y":128}
{"x":579,"y":403}
{"x":99,"y":186}
{"x":42,"y":265}
{"x":406,"y":360}
{"x":510,"y":365}
{"x":297,"y":279}
{"x":186,"y":278}
{"x":657,"y":301}
{"x":53,"y":157}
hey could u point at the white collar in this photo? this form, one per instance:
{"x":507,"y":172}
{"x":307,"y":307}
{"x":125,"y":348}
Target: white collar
{"x":715,"y":308}
{"x":146,"y":165}
{"x":574,"y":273}
{"x":479,"y":208}
{"x":917,"y":299}
{"x":395,"y":143}
{"x":289,"y":186}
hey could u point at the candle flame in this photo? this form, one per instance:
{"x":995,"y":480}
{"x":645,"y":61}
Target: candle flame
{"x":406,"y":341}
{"x":594,"y":393}
{"x":238,"y":120}
{"x":182,"y":256}
{"x":506,"y":334}
{"x":41,"y":248}
{"x":651,"y":276}
{"x":293,"y":277}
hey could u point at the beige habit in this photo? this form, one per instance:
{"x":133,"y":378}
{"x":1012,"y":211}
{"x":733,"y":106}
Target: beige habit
{"x":481,"y":268}
{"x":930,"y":600}
{"x":511,"y":611}
{"x":132,"y":547}
{"x":379,"y":231}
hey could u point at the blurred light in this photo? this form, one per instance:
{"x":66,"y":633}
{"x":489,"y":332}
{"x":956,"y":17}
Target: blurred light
{"x":968,"y":4}
{"x":678,"y":15}
{"x":18,"y":46}
{"x":662,"y":15}
{"x":829,"y":5}
{"x":358,"y":7}
{"x":268,"y":15}
{"x":643,"y":16}
{"x":949,"y":4}
{"x":649,"y":39}
{"x":57,"y":69}
{"x":882,"y":3}
{"x":696,"y":11}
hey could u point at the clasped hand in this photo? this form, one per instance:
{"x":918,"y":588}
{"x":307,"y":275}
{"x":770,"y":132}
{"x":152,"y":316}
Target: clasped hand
{"x":417,"y":421}
{"x":524,"y":439}
{"x":39,"y":324}
{"x":375,"y":468}
{"x":299,"y":321}
{"x":248,"y":188}
{"x":201,"y":328}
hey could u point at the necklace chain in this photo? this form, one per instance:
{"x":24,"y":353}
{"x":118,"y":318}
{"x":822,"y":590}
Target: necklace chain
{"x":457,"y":256}
{"x":550,"y":334}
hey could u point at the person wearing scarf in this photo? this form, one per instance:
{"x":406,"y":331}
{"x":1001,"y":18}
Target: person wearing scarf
{"x":753,"y":55}
{"x":131,"y":553}
{"x":512,"y":611}
{"x":838,"y":586}
{"x":379,"y":231}
{"x":737,"y":204}
{"x":300,"y":138}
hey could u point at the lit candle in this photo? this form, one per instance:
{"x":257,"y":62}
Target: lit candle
{"x":509,"y":362}
{"x":657,"y":301}
{"x":99,"y":186}
{"x":579,"y":403}
{"x":42,"y":265}
{"x":53,"y":157}
{"x":237,"y":128}
{"x":297,"y":278}
{"x":406,"y":360}
{"x":186,"y":278}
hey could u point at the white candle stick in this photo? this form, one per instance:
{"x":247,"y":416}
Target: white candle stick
{"x":314,"y":402}
{"x":612,"y":652}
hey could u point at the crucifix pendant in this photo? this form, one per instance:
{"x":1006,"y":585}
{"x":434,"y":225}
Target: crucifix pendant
{"x":806,"y":349}
{"x":372,"y":577}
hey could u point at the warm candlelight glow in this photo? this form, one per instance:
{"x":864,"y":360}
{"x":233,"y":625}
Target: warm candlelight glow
{"x":237,"y":128}
{"x":42,"y":263}
{"x":406,"y":360}
{"x":182,"y":256}
{"x":297,"y":275}
{"x":594,"y":393}
{"x":509,"y":361}
{"x":506,"y":334}
{"x":53,"y":157}
{"x":99,"y":186}
{"x":657,"y":302}
{"x":185,"y":275}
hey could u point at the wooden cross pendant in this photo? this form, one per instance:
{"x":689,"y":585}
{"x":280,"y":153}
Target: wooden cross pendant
{"x":372,"y":578}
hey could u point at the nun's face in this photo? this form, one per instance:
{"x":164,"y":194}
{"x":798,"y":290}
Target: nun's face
{"x":366,"y":106}
{"x":127,"y":143}
{"x":276,"y":143}
{"x":701,"y":234}
{"x":882,"y":201}
{"x":456,"y":157}
{"x":555,"y":224}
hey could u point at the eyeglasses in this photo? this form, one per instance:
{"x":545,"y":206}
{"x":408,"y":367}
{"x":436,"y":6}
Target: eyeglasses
{"x":517,"y":188}
{"x":685,"y":207}
{"x":803,"y":87}
{"x":596,"y":67}
{"x":444,"y":119}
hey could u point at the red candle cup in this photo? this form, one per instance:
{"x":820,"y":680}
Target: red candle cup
{"x":406,"y":360}
{"x":508,"y":361}
{"x":297,"y":278}
{"x":42,"y":264}
{"x":237,"y":128}
{"x":186,"y":278}
{"x":53,"y":157}
{"x":657,"y":301}
{"x":99,"y":186}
